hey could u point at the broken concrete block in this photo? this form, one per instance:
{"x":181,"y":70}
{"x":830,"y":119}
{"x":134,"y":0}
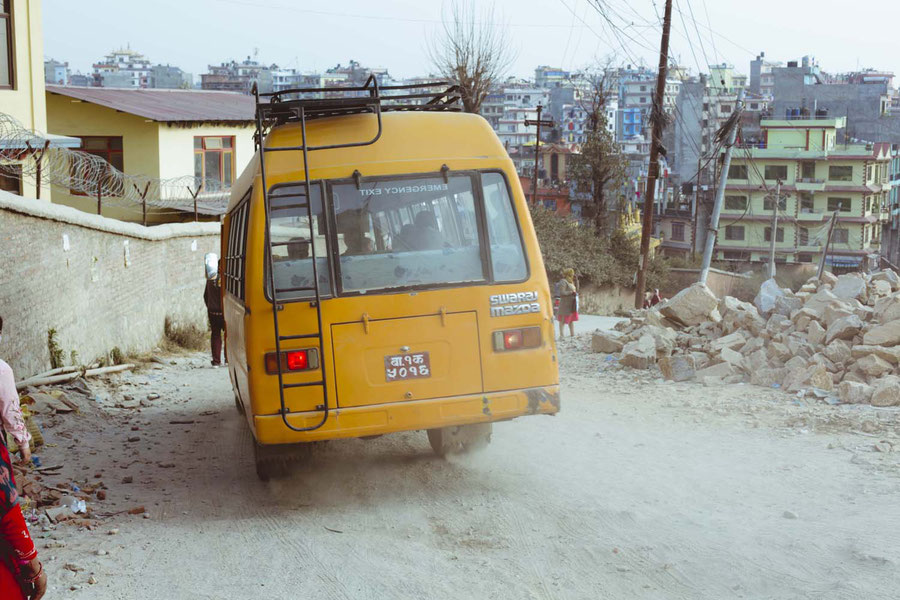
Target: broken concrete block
{"x":843,"y":329}
{"x":767,"y":377}
{"x":680,"y":367}
{"x":887,"y":334}
{"x":887,"y":392}
{"x":873,"y":366}
{"x":821,"y":359}
{"x":852,"y":392}
{"x":787,"y":305}
{"x":815,"y":334}
{"x":755,"y":361}
{"x":639,"y":354}
{"x":850,"y":286}
{"x":835,"y":311}
{"x":796,"y":363}
{"x":701,"y":359}
{"x":691,"y":306}
{"x":608,"y":342}
{"x":779,"y":352}
{"x":663,"y":337}
{"x":813,"y":376}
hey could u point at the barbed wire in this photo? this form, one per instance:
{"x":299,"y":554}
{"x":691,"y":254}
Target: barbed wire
{"x":83,"y":173}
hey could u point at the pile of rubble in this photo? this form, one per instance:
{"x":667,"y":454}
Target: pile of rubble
{"x":838,"y":338}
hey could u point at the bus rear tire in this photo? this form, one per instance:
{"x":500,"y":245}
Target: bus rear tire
{"x":460,"y":438}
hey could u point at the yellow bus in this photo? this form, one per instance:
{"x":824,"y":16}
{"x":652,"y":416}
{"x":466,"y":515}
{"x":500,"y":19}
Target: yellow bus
{"x":381,"y":274}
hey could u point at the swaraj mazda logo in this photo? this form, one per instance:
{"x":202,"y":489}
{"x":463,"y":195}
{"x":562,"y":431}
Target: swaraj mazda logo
{"x":519,"y":303}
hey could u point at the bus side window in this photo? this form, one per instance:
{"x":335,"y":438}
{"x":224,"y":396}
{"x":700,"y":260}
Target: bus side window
{"x":507,"y":254}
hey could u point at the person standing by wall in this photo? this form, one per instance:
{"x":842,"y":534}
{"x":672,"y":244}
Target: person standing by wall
{"x":22,"y":576}
{"x":212,"y":297}
{"x":567,"y":291}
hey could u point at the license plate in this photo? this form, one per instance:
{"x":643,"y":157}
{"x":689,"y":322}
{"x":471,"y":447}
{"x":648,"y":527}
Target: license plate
{"x":413,"y":365}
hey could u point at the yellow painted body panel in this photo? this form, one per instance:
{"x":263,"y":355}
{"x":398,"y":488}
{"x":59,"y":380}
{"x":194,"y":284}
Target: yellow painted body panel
{"x":467,"y":368}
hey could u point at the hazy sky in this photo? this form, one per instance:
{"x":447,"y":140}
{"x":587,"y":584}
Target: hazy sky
{"x":309,"y":35}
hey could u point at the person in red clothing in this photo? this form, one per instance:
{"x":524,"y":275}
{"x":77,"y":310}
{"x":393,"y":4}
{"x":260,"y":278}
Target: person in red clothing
{"x":22,"y":576}
{"x":653,"y":300}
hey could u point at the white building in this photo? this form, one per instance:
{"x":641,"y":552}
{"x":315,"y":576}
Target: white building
{"x":123,"y":68}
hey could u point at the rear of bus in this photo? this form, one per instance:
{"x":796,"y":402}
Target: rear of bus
{"x":435,"y":307}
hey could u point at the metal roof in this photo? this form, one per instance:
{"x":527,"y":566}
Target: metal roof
{"x":166,"y":105}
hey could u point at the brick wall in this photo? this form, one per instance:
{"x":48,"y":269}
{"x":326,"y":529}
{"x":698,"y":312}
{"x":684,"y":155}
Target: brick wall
{"x":99,"y":282}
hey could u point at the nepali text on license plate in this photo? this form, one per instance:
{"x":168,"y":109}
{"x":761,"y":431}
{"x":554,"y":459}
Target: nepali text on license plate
{"x":414,"y":365}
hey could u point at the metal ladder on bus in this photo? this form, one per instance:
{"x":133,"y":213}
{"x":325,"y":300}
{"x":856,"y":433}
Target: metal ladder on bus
{"x":348,"y":105}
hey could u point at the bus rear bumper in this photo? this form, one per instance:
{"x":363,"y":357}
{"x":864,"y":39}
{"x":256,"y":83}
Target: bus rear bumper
{"x":361,"y":421}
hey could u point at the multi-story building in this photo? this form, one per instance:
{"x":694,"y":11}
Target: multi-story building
{"x":232,"y":76}
{"x":123,"y":68}
{"x":636,"y":100}
{"x":22,"y":98}
{"x":492,"y":108}
{"x":574,"y":123}
{"x":890,"y":230}
{"x":545,"y":76}
{"x":820,"y":177}
{"x":55,"y":72}
{"x":170,"y":78}
{"x":762,"y":77}
{"x":513,"y":131}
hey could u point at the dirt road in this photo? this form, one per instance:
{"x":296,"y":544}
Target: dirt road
{"x":638,"y":489}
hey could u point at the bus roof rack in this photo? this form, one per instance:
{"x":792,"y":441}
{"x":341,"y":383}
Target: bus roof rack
{"x":284,"y":106}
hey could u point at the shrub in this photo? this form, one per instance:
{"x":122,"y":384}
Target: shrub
{"x":189,"y":337}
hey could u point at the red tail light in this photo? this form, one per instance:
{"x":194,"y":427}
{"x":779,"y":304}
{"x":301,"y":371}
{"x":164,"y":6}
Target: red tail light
{"x":293,"y":360}
{"x":517,"y":339}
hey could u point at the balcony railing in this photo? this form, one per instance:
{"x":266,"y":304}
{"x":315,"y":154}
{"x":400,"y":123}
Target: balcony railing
{"x":809,"y":180}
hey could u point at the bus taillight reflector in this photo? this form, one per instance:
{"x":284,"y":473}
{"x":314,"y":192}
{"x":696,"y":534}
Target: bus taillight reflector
{"x":517,"y":339}
{"x":293,"y":360}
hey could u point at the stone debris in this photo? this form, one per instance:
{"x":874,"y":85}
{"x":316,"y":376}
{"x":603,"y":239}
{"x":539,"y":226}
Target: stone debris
{"x":837,"y":339}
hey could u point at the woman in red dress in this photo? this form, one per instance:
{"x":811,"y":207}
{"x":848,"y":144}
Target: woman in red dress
{"x":567,"y":291}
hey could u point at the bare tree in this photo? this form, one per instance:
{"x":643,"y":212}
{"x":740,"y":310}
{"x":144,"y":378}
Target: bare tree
{"x":600,"y":165}
{"x":474,"y":52}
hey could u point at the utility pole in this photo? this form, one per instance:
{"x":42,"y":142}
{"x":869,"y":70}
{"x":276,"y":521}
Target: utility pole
{"x":694,"y":210}
{"x":720,"y":195}
{"x":653,"y":172}
{"x":774,"y":230}
{"x":834,"y":218}
{"x":537,"y":147}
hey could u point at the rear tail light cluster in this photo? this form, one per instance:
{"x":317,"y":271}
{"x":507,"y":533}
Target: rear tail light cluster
{"x":517,"y":339}
{"x":293,"y":360}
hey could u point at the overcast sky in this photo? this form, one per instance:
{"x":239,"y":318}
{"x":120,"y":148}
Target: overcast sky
{"x":314,"y":35}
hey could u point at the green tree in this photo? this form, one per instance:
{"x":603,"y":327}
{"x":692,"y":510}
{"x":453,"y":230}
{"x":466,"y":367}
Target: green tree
{"x":599,"y":168}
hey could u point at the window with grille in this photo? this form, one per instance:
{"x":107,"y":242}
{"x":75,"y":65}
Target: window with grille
{"x":840,"y":236}
{"x":735,"y":202}
{"x":773,"y":172}
{"x":779,"y":234}
{"x":678,"y":232}
{"x":734,"y":232}
{"x":7,"y":55}
{"x":803,"y":236}
{"x":836,"y":173}
{"x":236,"y":250}
{"x":737,"y":172}
{"x":109,"y":148}
{"x":768,"y":203}
{"x":839,"y":204}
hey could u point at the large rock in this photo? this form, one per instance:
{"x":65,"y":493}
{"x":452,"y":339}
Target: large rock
{"x":680,"y":367}
{"x":850,"y":286}
{"x":639,"y":354}
{"x":778,"y":324}
{"x":663,"y":337}
{"x":883,"y":335}
{"x":881,"y":289}
{"x":737,"y":314}
{"x":767,"y":298}
{"x":813,"y":376}
{"x":815,"y":333}
{"x":887,"y":392}
{"x":835,"y":311}
{"x":873,"y":366}
{"x":828,"y":278}
{"x":887,"y":309}
{"x":787,"y":305}
{"x":608,"y":342}
{"x":821,"y":299}
{"x":733,"y":340}
{"x":778,"y":352}
{"x":732,"y":357}
{"x":755,"y":361}
{"x":720,"y":370}
{"x":890,"y":354}
{"x":691,"y":306}
{"x":844,"y":328}
{"x":852,"y":392}
{"x":838,"y":352}
{"x":889,"y":276}
{"x":768,"y":377}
